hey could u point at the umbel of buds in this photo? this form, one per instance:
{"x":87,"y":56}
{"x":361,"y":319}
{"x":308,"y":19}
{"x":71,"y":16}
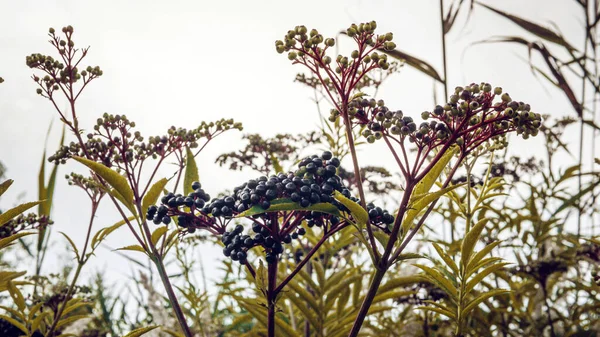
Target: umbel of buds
{"x":313,"y":183}
{"x":474,"y":114}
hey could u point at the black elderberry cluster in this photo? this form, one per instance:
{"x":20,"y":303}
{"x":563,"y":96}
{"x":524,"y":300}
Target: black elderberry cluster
{"x":313,"y":182}
{"x":237,"y":244}
{"x":24,"y":222}
{"x":379,"y":217}
{"x":196,"y":200}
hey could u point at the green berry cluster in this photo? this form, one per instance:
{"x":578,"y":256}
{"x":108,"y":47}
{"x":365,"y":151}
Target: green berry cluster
{"x":57,"y":72}
{"x":114,"y":142}
{"x":90,"y":185}
{"x":310,"y":48}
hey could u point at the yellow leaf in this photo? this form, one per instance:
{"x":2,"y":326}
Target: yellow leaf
{"x":191,"y":172}
{"x":158,"y":233}
{"x":153,"y":194}
{"x":13,"y":212}
{"x":139,"y":332}
{"x":358,"y":213}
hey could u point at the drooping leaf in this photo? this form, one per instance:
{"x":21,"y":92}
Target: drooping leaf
{"x":191,"y":172}
{"x":482,"y":297}
{"x":134,"y":248}
{"x":113,"y":178}
{"x":5,"y":242}
{"x":532,"y":28}
{"x":104,"y":232}
{"x":414,"y":62}
{"x":73,"y":246}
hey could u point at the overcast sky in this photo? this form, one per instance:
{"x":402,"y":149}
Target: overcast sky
{"x":182,"y":62}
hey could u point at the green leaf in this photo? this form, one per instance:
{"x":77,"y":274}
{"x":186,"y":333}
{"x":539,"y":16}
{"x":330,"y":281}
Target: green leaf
{"x":261,"y":278}
{"x":427,"y":182}
{"x":70,"y":319}
{"x":470,"y":240}
{"x":17,"y":296}
{"x":479,"y":255}
{"x":75,"y":250}
{"x":358,"y":213}
{"x":16,"y":323}
{"x":153,"y":194}
{"x":533,"y":28}
{"x":481,"y":298}
{"x":5,"y":242}
{"x":449,"y":262}
{"x":158,"y":233}
{"x":285,"y":204}
{"x":480,"y":276}
{"x":104,"y":232}
{"x":421,"y":203}
{"x":134,"y":248}
{"x":113,"y":178}
{"x":13,"y":212}
{"x":439,"y":279}
{"x":191,"y":172}
{"x":414,"y":62}
{"x":140,"y":331}
{"x":276,"y":165}
{"x":5,"y":185}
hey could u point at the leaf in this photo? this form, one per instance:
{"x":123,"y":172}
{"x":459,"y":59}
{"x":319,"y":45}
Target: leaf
{"x":158,"y":233}
{"x":470,"y":240}
{"x":480,"y":276}
{"x":5,"y":185}
{"x":449,"y":262}
{"x":113,"y":178}
{"x":482,"y":298}
{"x":70,"y":319}
{"x":15,"y":323}
{"x":421,"y":203}
{"x":104,"y":232}
{"x":358,"y":213}
{"x":276,"y":165}
{"x":427,"y":182}
{"x":13,"y":212}
{"x":75,"y":250}
{"x":533,"y":28}
{"x":153,"y":194}
{"x":479,"y":255}
{"x":191,"y":172}
{"x":285,"y":204}
{"x":6,"y":241}
{"x":414,"y":62}
{"x":261,"y":277}
{"x":140,"y":331}
{"x":17,"y":296}
{"x":134,"y":248}
{"x":439,"y":279}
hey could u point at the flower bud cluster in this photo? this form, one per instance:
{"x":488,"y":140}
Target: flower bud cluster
{"x":114,"y":143}
{"x":310,"y":48}
{"x":24,"y":222}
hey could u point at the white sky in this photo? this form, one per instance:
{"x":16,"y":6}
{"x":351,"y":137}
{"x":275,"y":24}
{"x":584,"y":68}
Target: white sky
{"x":182,"y":62}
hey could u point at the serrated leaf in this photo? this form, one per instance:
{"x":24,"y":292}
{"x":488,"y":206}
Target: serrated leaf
{"x":15,"y":323}
{"x":17,"y":296}
{"x":358,"y":213}
{"x":13,"y":212}
{"x":469,"y":242}
{"x":69,"y":320}
{"x":191,"y":172}
{"x":482,"y":297}
{"x":7,"y":241}
{"x":140,"y":331}
{"x":134,"y":248}
{"x":5,"y":185}
{"x":104,"y":232}
{"x":285,"y":204}
{"x":421,"y":203}
{"x":439,"y":279}
{"x":449,"y":262}
{"x":481,"y":275}
{"x":153,"y":194}
{"x":158,"y":233}
{"x":113,"y":178}
{"x":75,"y":250}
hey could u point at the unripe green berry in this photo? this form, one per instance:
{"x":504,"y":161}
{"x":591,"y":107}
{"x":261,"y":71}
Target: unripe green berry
{"x":329,"y":42}
{"x":389,"y":36}
{"x":506,"y":98}
{"x":292,"y":55}
{"x":354,"y":54}
{"x":497,"y":91}
{"x":389,"y":46}
{"x":425,"y":115}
